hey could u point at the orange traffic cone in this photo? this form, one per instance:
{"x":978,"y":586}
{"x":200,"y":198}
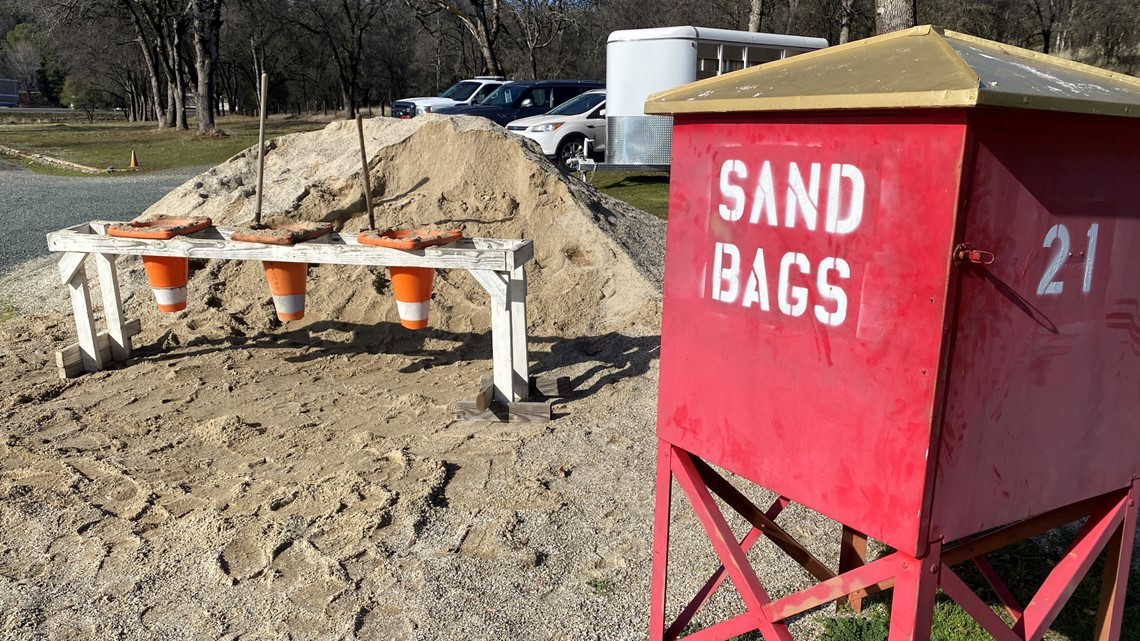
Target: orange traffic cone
{"x":412,"y":287}
{"x":168,"y":276}
{"x":134,"y":161}
{"x":287,"y":285}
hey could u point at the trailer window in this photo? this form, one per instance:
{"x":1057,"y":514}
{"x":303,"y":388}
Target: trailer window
{"x":708,"y":60}
{"x":733,"y":57}
{"x":758,"y":55}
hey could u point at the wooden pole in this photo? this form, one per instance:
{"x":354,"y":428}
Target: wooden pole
{"x":261,"y":150}
{"x":364,"y":173}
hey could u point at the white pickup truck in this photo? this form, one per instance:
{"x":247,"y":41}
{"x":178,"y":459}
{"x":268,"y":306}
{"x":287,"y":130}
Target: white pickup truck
{"x":464,"y":92}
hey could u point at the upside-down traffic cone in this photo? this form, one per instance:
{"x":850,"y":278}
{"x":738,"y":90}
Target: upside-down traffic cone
{"x":412,"y":287}
{"x":134,"y":161}
{"x":287,"y":285}
{"x":168,"y":276}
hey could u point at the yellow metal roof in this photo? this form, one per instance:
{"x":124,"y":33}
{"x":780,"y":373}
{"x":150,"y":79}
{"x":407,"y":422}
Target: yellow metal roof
{"x":919,"y":67}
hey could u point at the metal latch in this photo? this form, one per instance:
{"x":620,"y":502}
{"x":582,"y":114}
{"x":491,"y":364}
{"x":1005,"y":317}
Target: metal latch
{"x":968,"y":253}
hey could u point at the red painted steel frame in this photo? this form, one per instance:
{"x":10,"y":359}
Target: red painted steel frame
{"x":837,"y":382}
{"x":1111,"y":526}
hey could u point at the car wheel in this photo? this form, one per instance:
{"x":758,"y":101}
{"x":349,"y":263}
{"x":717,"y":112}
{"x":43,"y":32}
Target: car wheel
{"x":570,"y":147}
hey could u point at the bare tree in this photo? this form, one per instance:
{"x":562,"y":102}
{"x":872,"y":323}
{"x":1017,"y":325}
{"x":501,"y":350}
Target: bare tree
{"x":481,"y":18}
{"x":206,"y":17}
{"x":537,"y":24}
{"x":341,"y":25}
{"x":22,"y":56}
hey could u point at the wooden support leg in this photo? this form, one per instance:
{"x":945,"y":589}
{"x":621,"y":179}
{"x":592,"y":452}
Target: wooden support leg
{"x":520,"y":363}
{"x":912,"y":607}
{"x":72,"y":272}
{"x":1117,"y":562}
{"x":852,"y":554}
{"x":498,"y":285}
{"x":113,"y":307}
{"x":661,"y":512}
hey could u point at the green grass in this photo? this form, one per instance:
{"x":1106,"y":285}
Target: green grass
{"x":7,"y":311}
{"x":106,"y":144}
{"x":1023,"y":566}
{"x":951,"y":623}
{"x":599,"y":585}
{"x":649,"y":192}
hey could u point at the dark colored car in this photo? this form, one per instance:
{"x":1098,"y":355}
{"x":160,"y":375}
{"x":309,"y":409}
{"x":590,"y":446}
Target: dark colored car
{"x":522,"y":99}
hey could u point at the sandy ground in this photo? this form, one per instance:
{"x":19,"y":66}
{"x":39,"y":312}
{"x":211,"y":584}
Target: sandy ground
{"x":242,"y":479}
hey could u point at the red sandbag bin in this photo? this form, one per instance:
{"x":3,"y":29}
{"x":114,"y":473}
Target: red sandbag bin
{"x":901,"y":290}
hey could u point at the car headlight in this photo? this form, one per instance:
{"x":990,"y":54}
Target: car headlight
{"x":550,"y":126}
{"x":423,"y":110}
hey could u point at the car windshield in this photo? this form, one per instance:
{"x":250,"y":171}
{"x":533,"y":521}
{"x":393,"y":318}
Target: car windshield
{"x":505,"y":96}
{"x":460,"y":91}
{"x":578,"y":105}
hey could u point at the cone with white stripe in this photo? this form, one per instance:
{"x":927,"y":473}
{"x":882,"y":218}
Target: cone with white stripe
{"x":168,"y":276}
{"x":287,"y":283}
{"x":412,"y":287}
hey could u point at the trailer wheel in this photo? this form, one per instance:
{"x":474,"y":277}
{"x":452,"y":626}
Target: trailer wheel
{"x":570,"y":147}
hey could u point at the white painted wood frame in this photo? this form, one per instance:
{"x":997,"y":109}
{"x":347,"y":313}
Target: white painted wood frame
{"x":497,"y":264}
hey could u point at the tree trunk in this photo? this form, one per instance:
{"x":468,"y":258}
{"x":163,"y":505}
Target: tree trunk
{"x":171,"y":109}
{"x":149,"y":58}
{"x":207,"y":22}
{"x":846,"y":7}
{"x":893,"y":15}
{"x":755,"y":15}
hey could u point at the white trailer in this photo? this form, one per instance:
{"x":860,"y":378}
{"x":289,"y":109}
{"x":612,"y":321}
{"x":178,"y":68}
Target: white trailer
{"x":643,"y":61}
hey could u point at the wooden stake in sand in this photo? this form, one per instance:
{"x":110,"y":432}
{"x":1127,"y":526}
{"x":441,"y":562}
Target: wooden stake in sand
{"x":261,"y":150}
{"x":364,"y":172}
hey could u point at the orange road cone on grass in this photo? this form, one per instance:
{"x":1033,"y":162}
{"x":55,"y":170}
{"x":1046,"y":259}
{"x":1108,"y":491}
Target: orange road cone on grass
{"x":412,"y":287}
{"x":168,"y":276}
{"x":287,"y":285}
{"x":134,"y":161}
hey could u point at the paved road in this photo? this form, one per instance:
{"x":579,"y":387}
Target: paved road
{"x":39,"y":110}
{"x":31,"y":204}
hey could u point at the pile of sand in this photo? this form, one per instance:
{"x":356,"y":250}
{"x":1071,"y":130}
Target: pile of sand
{"x":597,"y":264}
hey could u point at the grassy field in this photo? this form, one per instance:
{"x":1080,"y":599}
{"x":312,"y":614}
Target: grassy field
{"x":109,"y":144}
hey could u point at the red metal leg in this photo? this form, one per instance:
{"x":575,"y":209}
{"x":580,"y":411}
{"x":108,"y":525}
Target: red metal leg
{"x":661,"y":509}
{"x":1117,"y":562}
{"x":912,"y":607}
{"x":1063,"y":580}
{"x":832,"y":589}
{"x":999,"y":587}
{"x":710,"y":586}
{"x":724,"y":542}
{"x":957,"y":589}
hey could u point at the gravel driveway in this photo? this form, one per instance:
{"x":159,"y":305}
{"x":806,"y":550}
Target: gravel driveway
{"x":31,"y":204}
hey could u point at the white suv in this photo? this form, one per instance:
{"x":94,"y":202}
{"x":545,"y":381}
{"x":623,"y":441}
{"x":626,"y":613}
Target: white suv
{"x":464,"y":92}
{"x":563,"y":131}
